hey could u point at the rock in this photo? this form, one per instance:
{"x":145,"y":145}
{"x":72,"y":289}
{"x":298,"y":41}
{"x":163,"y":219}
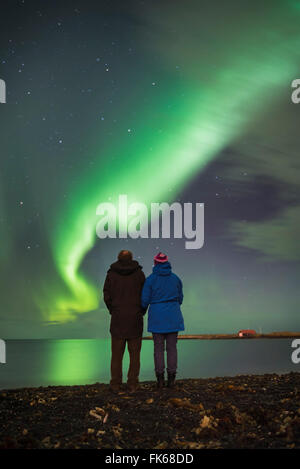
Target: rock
{"x":46,"y":442}
{"x":208,"y":422}
{"x":207,"y":426}
{"x":117,"y":430}
{"x":93,"y":413}
{"x":113,"y":407}
{"x":185,"y":403}
{"x":161,"y":445}
{"x":191,"y":445}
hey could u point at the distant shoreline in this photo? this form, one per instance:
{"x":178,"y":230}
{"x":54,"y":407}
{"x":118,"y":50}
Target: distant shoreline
{"x":271,"y":335}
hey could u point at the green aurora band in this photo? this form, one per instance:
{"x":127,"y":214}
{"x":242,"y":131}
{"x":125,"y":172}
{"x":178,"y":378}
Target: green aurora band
{"x":214,"y":113}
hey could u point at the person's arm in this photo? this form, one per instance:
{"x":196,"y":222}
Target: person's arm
{"x":143,"y":279}
{"x":146,"y":294}
{"x":180,"y":299}
{"x":107,"y":293}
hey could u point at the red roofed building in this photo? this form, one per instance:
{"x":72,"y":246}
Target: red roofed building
{"x":247,"y":333}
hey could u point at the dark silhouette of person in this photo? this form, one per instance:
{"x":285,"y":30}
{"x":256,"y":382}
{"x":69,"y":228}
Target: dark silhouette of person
{"x":122,"y":296}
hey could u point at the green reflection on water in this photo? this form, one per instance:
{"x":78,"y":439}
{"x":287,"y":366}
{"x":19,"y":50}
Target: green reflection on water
{"x":88,"y":361}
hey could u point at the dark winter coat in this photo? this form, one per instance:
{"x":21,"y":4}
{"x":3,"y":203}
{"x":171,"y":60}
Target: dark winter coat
{"x":163,"y":292}
{"x":122,"y":295}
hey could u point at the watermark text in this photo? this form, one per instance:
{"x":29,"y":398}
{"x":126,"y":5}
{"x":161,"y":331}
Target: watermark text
{"x":296,"y":353}
{"x":2,"y":351}
{"x":295,"y":97}
{"x":2,"y":91}
{"x":161,"y":220}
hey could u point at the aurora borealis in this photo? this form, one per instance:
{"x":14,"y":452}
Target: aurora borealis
{"x":162,"y":101}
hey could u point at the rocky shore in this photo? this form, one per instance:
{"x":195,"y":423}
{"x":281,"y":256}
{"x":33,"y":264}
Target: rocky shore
{"x":248,"y":411}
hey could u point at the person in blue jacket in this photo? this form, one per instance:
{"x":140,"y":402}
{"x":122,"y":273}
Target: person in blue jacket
{"x":162,"y":290}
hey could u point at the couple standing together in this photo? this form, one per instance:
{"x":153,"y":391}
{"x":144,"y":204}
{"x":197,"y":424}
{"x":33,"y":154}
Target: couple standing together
{"x":127,"y":295}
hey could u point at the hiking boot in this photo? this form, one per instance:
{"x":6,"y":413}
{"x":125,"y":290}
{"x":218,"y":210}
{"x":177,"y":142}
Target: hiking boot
{"x":115,"y":388}
{"x":160,"y":380}
{"x":133,"y":387}
{"x":171,"y":380}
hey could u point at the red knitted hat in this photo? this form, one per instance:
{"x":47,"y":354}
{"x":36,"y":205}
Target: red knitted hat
{"x":160,"y":257}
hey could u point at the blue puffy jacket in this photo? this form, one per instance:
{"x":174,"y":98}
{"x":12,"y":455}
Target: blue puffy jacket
{"x":163,"y":292}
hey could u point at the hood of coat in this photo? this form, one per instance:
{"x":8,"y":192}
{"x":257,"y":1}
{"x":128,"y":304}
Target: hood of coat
{"x":162,"y":269}
{"x":125,"y":268}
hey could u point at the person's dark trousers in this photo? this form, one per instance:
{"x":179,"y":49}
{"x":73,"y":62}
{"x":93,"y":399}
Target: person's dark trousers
{"x":159,"y":340}
{"x":117,"y":352}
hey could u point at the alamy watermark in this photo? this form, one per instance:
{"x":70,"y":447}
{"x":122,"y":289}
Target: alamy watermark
{"x":2,"y":92}
{"x":296,"y":353}
{"x":2,"y":351}
{"x":136,"y":221}
{"x":295,"y":96}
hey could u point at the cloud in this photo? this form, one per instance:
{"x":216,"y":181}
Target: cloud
{"x":266,"y":143}
{"x":276,"y":239}
{"x":269,"y":155}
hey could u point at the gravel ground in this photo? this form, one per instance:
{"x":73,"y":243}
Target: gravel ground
{"x":245,"y":411}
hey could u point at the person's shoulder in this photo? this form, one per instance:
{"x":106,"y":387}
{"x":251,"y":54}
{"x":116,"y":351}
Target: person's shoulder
{"x":140,"y":273}
{"x":176,"y":277}
{"x":111,"y":268}
{"x":150,"y":277}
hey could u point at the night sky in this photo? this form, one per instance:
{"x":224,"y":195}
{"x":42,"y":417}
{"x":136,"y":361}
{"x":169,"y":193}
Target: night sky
{"x":163,"y":101}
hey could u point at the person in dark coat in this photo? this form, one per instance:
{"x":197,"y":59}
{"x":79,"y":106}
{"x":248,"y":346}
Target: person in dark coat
{"x":122,"y":296}
{"x":163,"y":292}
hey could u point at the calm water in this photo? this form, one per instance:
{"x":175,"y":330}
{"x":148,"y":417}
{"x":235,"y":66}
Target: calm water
{"x":66,"y":362}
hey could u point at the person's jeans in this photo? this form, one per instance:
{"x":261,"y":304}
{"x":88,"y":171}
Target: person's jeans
{"x":159,"y":340}
{"x":117,"y":352}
